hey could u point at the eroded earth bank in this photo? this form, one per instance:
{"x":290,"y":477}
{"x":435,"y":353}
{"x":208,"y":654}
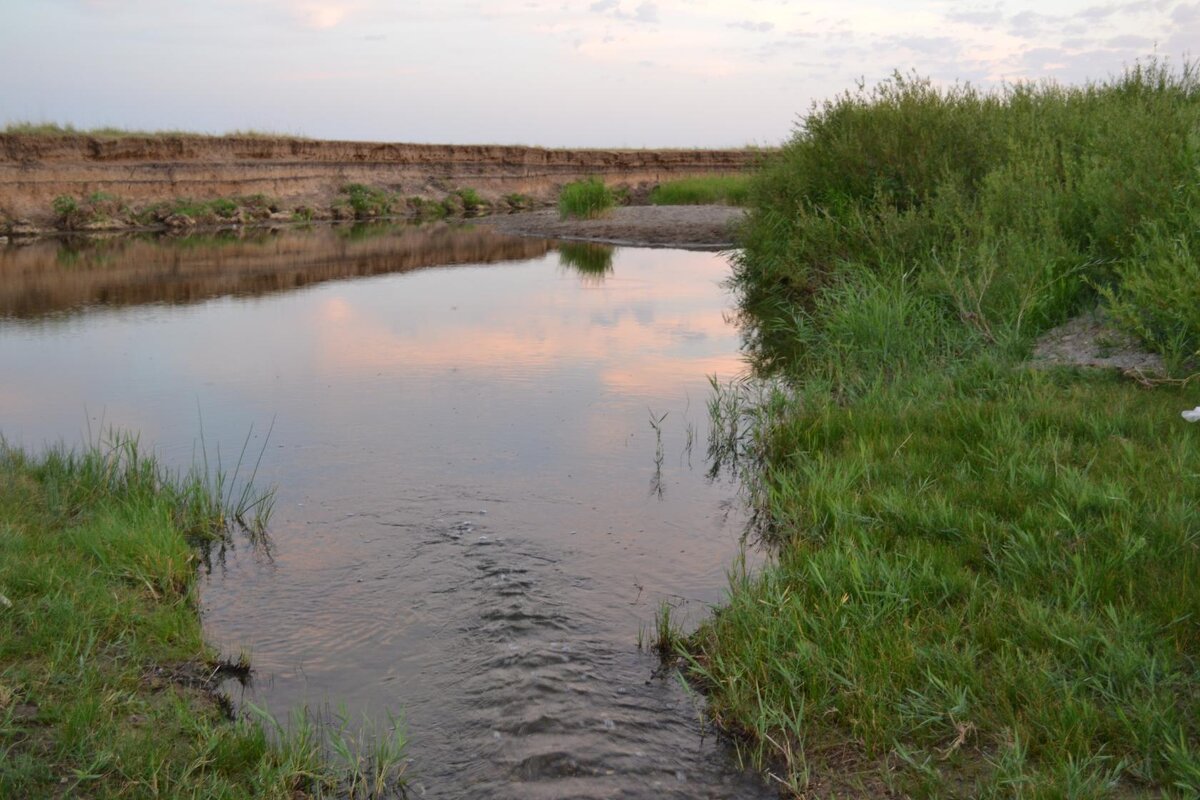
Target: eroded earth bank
{"x":82,"y":182}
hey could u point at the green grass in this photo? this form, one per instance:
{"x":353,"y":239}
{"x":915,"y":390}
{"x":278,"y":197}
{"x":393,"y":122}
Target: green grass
{"x":730,"y":190}
{"x":98,"y":612}
{"x":586,"y":199}
{"x":983,"y":574}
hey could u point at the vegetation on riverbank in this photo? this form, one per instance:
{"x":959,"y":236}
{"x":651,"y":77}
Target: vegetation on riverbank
{"x":984,"y":584}
{"x":107,"y":687}
{"x":730,"y":190}
{"x":586,"y":199}
{"x":102,"y":211}
{"x":111,"y":132}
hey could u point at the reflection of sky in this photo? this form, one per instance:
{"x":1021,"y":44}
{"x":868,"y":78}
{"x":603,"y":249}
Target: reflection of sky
{"x":484,"y":365}
{"x":514,"y":398}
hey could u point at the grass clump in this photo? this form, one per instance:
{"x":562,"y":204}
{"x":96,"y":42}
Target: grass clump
{"x":982,"y":583}
{"x":586,"y":199}
{"x":730,"y":190}
{"x":104,"y":671}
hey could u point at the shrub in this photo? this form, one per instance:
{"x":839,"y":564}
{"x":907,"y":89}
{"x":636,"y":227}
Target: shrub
{"x":65,"y":206}
{"x":1158,"y":295}
{"x":367,"y":202}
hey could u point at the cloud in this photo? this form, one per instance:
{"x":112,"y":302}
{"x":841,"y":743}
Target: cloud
{"x":1130,"y":42}
{"x":1096,"y":13}
{"x":322,"y":15}
{"x":645,"y":12}
{"x":929,"y":45}
{"x":984,"y":18}
{"x":1027,"y":24}
{"x":1185,"y":13}
{"x":754,"y":27}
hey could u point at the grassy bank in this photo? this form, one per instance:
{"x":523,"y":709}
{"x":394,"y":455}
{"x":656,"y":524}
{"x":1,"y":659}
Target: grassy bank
{"x":106,"y":682}
{"x":984,"y":573}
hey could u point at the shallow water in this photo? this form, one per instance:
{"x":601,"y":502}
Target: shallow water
{"x":473,"y":521}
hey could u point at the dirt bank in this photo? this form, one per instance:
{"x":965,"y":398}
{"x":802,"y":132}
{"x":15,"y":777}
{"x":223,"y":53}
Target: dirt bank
{"x":140,"y":170}
{"x":690,"y":227}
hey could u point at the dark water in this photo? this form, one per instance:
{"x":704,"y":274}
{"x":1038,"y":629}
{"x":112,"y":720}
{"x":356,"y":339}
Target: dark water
{"x":473,"y":522}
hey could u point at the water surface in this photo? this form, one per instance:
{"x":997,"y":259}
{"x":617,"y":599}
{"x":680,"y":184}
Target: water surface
{"x":475,"y":517}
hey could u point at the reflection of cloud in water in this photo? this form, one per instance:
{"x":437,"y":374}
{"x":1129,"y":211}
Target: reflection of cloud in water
{"x":635,"y":343}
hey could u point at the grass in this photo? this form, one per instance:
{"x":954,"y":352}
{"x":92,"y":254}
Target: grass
{"x":730,"y":190}
{"x":110,"y":132}
{"x":103,"y":664}
{"x":983,"y":574}
{"x":586,"y":199}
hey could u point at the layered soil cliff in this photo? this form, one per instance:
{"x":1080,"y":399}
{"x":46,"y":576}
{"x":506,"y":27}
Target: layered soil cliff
{"x":141,"y":170}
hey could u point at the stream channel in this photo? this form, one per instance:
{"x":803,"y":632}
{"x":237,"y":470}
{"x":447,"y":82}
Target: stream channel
{"x":475,"y":517}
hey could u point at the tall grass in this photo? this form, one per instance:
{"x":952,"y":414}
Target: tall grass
{"x":983,"y":574}
{"x":1007,"y":209}
{"x":586,"y":199}
{"x":731,"y":190}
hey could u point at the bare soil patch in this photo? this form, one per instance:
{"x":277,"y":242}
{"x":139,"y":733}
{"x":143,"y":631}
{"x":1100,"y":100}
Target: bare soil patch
{"x":1092,"y":340}
{"x":688,"y":227}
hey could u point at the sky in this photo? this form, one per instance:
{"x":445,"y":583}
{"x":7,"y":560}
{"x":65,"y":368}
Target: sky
{"x":593,"y":73}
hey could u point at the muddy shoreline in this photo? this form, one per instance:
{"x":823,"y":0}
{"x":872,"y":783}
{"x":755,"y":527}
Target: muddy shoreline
{"x":683,"y":227}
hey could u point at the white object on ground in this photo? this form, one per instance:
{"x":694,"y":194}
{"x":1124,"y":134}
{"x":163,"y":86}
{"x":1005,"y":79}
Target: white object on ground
{"x":1193,"y":415}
